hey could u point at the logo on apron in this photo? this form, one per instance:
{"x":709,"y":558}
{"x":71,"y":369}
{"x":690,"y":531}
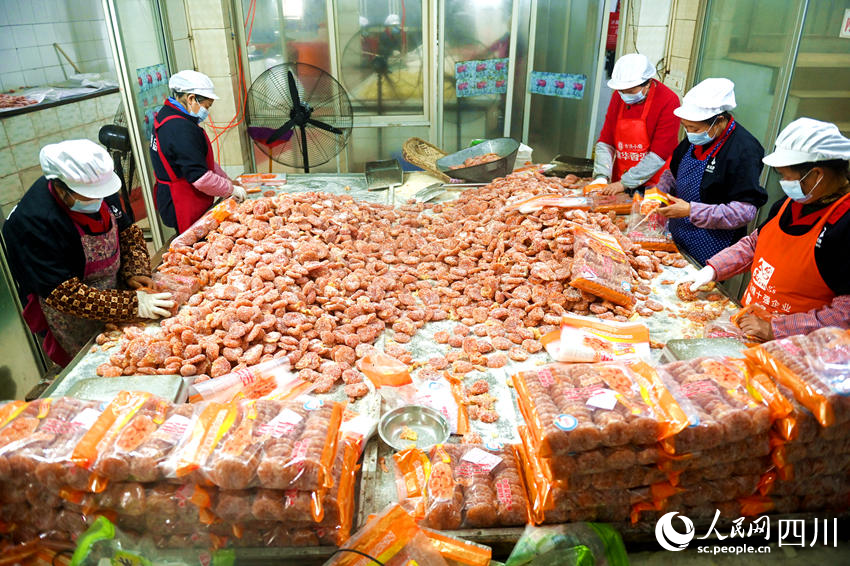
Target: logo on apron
{"x":762,"y":273}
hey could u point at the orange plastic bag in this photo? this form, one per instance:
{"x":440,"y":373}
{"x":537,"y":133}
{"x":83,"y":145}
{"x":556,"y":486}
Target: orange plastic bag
{"x":621,"y":404}
{"x":621,"y":203}
{"x":649,"y":230}
{"x":814,"y":367}
{"x":586,"y":339}
{"x":205,"y":224}
{"x":413,"y":469}
{"x":390,"y":377}
{"x":539,"y":202}
{"x":653,"y":199}
{"x":108,"y":427}
{"x":724,"y":401}
{"x":594,"y":187}
{"x":601,"y":267}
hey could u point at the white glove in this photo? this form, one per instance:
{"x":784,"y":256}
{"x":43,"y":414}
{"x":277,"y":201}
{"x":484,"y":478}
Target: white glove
{"x":239,"y":193}
{"x":703,"y":276}
{"x":154,"y":305}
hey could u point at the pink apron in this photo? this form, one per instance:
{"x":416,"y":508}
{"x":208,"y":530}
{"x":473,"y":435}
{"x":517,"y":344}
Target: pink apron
{"x":67,"y":334}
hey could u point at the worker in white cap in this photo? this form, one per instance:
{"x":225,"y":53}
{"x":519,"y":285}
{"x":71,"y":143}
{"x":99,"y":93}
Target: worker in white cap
{"x":187,"y":177}
{"x":640,"y":130}
{"x":74,"y":253}
{"x":713,"y":179}
{"x":798,"y":257}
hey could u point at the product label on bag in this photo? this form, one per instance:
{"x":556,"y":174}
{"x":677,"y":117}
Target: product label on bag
{"x":482,"y":460}
{"x":282,"y":425}
{"x":172,"y":429}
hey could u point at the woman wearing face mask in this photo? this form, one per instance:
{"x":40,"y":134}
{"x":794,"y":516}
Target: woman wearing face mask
{"x":798,"y":257}
{"x":187,"y":177}
{"x":640,"y":130}
{"x":713,"y":179}
{"x":75,"y":255}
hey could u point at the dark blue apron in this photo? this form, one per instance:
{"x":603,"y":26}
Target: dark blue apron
{"x":700,"y":243}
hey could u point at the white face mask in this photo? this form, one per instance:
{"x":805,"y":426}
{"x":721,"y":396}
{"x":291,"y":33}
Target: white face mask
{"x":794,"y":189}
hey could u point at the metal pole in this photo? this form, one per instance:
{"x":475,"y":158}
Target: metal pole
{"x":509,"y":99}
{"x":532,"y":39}
{"x":139,"y":145}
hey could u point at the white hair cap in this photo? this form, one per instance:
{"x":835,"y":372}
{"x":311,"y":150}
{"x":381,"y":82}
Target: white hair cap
{"x":707,"y":99}
{"x":805,"y":140}
{"x":192,"y":82}
{"x":631,"y":70}
{"x":83,"y":165}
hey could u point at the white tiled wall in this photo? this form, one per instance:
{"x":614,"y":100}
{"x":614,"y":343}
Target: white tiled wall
{"x":28,"y":30}
{"x":23,"y":136}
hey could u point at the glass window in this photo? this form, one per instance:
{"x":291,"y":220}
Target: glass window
{"x":752,"y":56}
{"x":281,"y":31}
{"x":562,"y":125}
{"x":474,"y":31}
{"x":381,"y":55}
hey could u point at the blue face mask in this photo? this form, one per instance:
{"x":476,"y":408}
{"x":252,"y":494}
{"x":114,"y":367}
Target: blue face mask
{"x":702,"y":138}
{"x":201,"y":114}
{"x":87,"y":207}
{"x":794,"y":189}
{"x":632,"y":98}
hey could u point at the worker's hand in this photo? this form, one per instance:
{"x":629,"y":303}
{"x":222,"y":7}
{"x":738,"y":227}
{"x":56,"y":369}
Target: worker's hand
{"x":679,"y":209}
{"x":154,"y":305}
{"x":702,"y":277}
{"x":137,"y":281}
{"x":613,"y":189}
{"x":755,"y":327}
{"x":239,"y":193}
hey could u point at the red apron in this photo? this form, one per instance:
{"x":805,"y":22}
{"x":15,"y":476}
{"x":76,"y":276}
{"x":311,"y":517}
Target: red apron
{"x":786,"y":279}
{"x":631,"y":140}
{"x":67,"y":334}
{"x":189,"y":203}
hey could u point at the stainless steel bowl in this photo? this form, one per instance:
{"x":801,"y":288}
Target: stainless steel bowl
{"x":431,"y":427}
{"x":505,"y":148}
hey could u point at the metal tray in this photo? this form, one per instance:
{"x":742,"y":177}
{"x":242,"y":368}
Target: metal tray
{"x":505,"y":148}
{"x":567,"y":165}
{"x":383,"y":174}
{"x":430,"y":427}
{"x":676,"y":350}
{"x":169,"y":387}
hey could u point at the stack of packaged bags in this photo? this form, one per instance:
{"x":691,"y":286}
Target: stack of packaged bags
{"x":591,"y":444}
{"x":245,"y":473}
{"x":622,"y":441}
{"x":811,"y":446}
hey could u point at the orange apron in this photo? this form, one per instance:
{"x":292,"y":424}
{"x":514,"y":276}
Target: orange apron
{"x":786,"y":279}
{"x":631,"y":140}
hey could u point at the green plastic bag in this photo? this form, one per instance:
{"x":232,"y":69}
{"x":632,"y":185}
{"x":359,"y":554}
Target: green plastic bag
{"x":103,"y":540}
{"x":574,"y":544}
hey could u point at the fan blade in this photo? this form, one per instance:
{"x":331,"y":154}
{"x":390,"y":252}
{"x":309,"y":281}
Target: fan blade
{"x":280,"y":132}
{"x":304,"y":149}
{"x":324,"y":126}
{"x":293,"y":89}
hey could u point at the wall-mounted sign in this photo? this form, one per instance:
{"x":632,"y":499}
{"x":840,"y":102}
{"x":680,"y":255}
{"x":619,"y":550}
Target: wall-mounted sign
{"x":845,"y":24}
{"x":564,"y":85}
{"x":151,"y":93}
{"x":478,"y":78}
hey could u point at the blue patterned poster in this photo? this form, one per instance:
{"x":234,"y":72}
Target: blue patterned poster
{"x":478,"y":78}
{"x":564,"y":85}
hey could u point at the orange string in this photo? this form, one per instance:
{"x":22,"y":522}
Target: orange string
{"x":242,"y":93}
